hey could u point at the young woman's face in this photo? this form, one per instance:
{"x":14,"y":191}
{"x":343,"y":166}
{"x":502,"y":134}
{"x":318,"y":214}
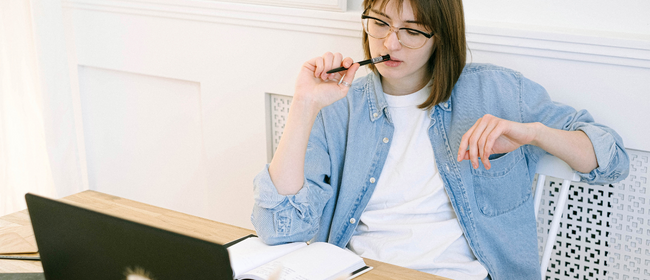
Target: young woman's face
{"x":406,"y":64}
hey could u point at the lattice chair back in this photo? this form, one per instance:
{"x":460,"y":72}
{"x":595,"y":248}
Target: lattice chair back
{"x":549,"y":165}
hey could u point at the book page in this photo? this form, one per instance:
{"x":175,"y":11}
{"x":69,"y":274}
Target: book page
{"x":264,"y":271}
{"x":318,"y":261}
{"x":252,"y":252}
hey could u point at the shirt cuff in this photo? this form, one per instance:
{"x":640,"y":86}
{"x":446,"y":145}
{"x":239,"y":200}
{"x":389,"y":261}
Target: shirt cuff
{"x":604,"y":148}
{"x":267,"y":196}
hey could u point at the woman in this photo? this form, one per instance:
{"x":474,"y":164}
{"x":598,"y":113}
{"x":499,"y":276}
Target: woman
{"x":427,"y":162}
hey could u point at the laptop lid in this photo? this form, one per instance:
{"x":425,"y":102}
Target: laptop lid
{"x":78,"y":243}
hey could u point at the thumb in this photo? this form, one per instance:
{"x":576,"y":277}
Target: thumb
{"x":349,"y":74}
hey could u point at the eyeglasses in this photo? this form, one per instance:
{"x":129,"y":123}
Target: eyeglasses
{"x":408,"y":37}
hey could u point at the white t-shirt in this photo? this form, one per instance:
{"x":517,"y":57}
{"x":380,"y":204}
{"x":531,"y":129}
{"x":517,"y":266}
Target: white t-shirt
{"x":409,"y":220}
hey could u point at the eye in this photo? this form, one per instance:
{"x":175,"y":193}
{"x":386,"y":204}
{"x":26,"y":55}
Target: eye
{"x":380,"y":23}
{"x":412,"y":32}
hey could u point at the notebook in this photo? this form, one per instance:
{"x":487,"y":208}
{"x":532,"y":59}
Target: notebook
{"x":78,"y":243}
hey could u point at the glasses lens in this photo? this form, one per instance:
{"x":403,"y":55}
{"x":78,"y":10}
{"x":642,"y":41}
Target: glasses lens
{"x":411,"y":38}
{"x":376,"y":28}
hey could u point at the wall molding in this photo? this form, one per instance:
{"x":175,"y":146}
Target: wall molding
{"x":632,"y":50}
{"x":595,"y":47}
{"x":282,"y":18}
{"x":328,"y":5}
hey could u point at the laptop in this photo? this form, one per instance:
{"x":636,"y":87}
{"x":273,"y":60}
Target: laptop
{"x":77,"y":243}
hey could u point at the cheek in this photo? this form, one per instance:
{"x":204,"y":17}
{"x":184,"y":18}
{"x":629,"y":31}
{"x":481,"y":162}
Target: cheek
{"x":374,"y":47}
{"x":377,"y":46}
{"x":427,"y":52}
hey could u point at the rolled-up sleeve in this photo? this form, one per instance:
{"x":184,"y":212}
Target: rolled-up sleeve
{"x":613,"y":161}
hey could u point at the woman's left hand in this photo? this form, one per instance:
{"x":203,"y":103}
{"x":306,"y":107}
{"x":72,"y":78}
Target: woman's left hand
{"x":492,"y":135}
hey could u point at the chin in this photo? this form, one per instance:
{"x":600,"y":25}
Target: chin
{"x":391,"y":73}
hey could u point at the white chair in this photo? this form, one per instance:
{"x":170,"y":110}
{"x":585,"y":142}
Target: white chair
{"x":552,"y":166}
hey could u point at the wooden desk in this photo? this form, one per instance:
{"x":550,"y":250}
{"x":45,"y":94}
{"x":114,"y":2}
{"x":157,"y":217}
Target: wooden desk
{"x":167,"y":219}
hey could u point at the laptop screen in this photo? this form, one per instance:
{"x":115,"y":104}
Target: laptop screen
{"x":77,"y":243}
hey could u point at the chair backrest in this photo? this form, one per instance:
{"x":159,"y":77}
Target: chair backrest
{"x":605,"y":232}
{"x":277,"y":111}
{"x":549,"y":165}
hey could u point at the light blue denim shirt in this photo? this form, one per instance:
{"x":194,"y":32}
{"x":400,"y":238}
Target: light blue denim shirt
{"x":350,"y":140}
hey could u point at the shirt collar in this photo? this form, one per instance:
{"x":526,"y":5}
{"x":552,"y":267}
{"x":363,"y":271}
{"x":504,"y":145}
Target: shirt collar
{"x":376,"y":99}
{"x":445,"y":105}
{"x":377,"y":102}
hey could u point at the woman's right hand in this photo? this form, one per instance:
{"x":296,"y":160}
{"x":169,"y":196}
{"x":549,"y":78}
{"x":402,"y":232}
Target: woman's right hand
{"x":316,"y":88}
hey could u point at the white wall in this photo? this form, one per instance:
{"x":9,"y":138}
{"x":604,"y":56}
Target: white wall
{"x":592,"y":55}
{"x":615,"y":18}
{"x":173,"y":103}
{"x":172,"y":91}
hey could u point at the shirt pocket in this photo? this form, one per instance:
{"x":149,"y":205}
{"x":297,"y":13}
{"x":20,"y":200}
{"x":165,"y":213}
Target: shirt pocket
{"x":505,"y":186}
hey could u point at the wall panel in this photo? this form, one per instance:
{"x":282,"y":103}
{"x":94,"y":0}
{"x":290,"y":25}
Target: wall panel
{"x":144,"y":138}
{"x":228,"y":55}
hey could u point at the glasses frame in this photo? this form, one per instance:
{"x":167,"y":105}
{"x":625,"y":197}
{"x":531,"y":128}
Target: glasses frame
{"x":396,"y":30}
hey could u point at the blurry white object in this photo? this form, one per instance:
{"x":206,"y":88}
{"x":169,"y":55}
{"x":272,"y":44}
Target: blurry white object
{"x":554,"y":167}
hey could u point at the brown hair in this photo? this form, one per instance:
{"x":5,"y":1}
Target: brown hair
{"x":446,"y":20}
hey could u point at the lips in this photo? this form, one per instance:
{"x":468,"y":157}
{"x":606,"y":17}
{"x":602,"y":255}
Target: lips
{"x":392,"y":62}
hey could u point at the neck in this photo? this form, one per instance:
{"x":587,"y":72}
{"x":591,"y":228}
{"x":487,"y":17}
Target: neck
{"x":403,"y":86}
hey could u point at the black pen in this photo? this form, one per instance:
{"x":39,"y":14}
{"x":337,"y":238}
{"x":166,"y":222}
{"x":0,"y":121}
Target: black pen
{"x":362,"y":63}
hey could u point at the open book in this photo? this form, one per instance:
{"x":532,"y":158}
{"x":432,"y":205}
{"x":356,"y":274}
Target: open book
{"x":250,"y":258}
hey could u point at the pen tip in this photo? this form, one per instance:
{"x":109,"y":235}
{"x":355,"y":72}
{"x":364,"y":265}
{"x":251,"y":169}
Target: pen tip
{"x":386,"y":57}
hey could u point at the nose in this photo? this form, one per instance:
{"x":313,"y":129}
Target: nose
{"x":391,"y":42}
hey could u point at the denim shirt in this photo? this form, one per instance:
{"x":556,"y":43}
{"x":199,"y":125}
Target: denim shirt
{"x":349,"y":143}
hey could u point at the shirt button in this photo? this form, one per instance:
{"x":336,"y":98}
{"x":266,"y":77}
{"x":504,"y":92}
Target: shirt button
{"x":385,"y":140}
{"x":374,"y":115}
{"x":352,"y":221}
{"x":372,"y":180}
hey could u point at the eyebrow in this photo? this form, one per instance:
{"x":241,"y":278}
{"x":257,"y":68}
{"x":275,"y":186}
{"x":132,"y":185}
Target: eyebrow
{"x":386,"y":16}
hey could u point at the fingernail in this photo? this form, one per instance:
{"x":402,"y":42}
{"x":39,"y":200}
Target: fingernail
{"x":475,"y":165}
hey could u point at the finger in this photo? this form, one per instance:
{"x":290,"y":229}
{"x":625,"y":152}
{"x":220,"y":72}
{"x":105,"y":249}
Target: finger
{"x":328,"y":58}
{"x":491,"y":139}
{"x":347,"y":62}
{"x":483,"y":142}
{"x":480,"y":143}
{"x":319,"y":67}
{"x":336,"y":63}
{"x":462,"y":149}
{"x":473,"y":142}
{"x":349,"y":74}
{"x":464,"y":155}
{"x":310,"y":65}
